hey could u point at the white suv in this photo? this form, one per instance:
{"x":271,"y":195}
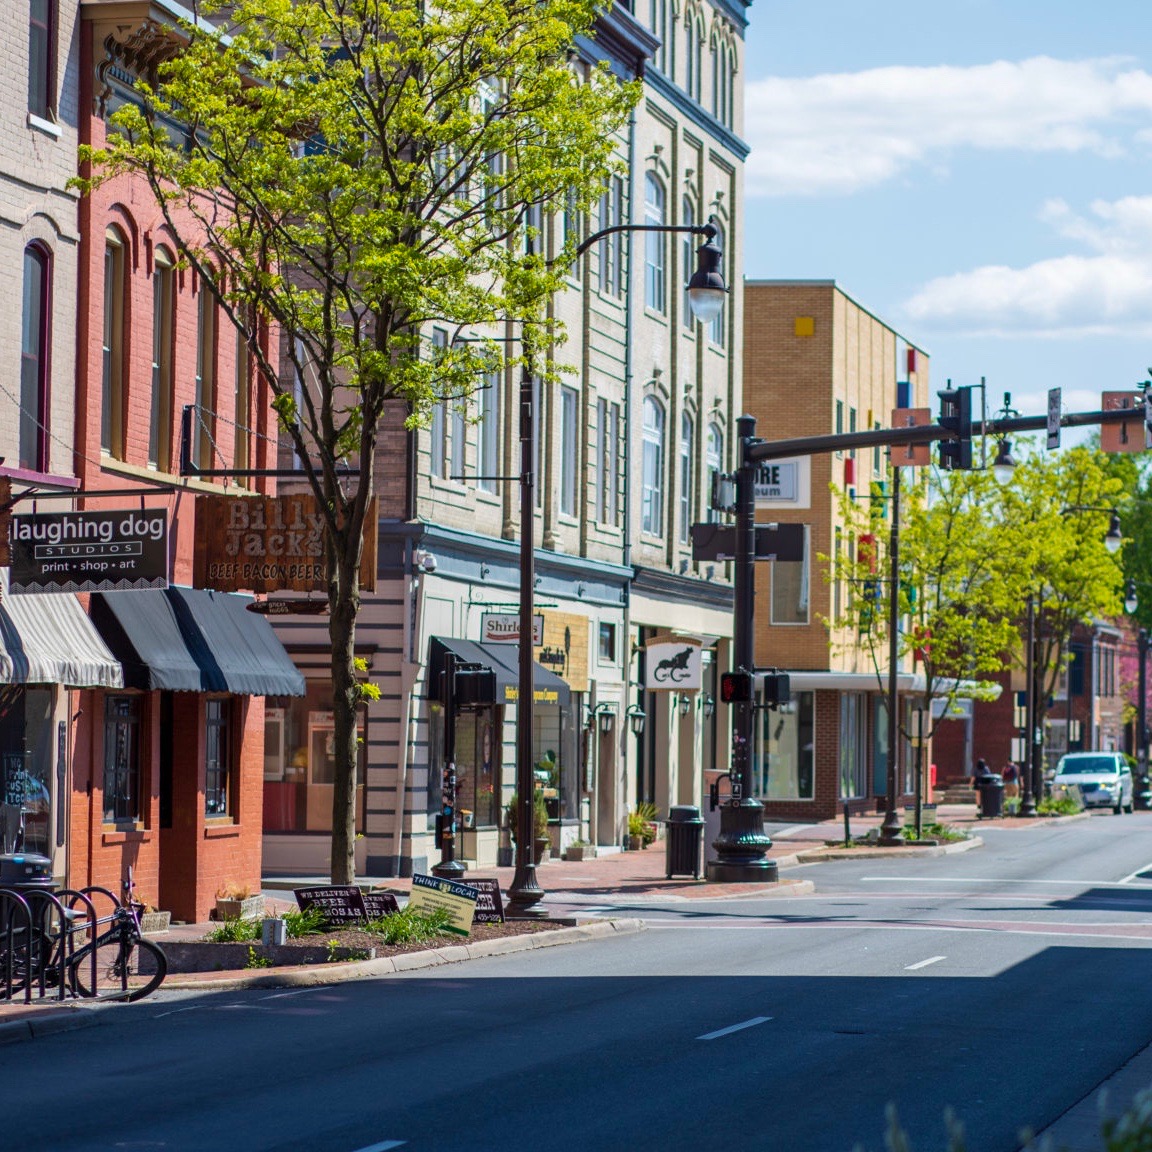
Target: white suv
{"x":1104,"y":779}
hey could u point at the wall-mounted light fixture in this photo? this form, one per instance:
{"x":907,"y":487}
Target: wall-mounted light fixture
{"x":606,"y":714}
{"x":636,"y":719}
{"x":707,"y":705}
{"x":685,"y":704}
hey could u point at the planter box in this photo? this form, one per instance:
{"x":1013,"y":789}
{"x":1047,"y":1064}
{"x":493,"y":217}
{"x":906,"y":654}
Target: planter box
{"x":250,"y":908}
{"x":153,"y":923}
{"x":581,"y":852}
{"x":202,"y":956}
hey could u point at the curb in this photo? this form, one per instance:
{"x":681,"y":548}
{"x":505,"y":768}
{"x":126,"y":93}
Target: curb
{"x":307,"y":975}
{"x":814,"y":855}
{"x":45,"y":1021}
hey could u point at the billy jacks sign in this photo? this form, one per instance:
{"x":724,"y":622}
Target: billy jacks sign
{"x":269,"y":544}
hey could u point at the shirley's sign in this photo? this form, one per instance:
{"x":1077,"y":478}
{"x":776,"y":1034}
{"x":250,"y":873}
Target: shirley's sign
{"x":268,"y":544}
{"x":89,"y":551}
{"x":504,"y":628}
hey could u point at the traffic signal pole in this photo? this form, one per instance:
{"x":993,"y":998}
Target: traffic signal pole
{"x":742,"y":844}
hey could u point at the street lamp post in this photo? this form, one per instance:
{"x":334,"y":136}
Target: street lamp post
{"x":1028,"y":797}
{"x":891,"y":830}
{"x":706,"y":294}
{"x":1142,"y":799}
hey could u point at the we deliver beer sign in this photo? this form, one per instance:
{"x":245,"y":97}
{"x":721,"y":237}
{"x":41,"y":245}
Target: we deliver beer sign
{"x":89,"y":551}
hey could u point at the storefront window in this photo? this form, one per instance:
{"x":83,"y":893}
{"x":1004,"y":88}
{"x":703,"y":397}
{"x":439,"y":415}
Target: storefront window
{"x":478,"y":767}
{"x":299,"y":762}
{"x":26,"y":760}
{"x":218,"y":758}
{"x":853,"y":744}
{"x":784,"y":751}
{"x":121,"y":758}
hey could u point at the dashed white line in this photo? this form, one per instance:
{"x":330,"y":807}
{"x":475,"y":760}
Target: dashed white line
{"x":735,"y":1028}
{"x":924,"y":963}
{"x":1144,"y":873}
{"x":960,"y":880}
{"x":383,"y":1146}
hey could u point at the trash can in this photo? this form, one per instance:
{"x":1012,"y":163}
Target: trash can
{"x":26,"y":871}
{"x":991,"y":789}
{"x":684,"y":841}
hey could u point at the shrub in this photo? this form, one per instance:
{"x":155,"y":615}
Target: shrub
{"x":539,"y":815}
{"x":1058,"y":806}
{"x":234,"y":932}
{"x":307,"y":923}
{"x":410,"y":926}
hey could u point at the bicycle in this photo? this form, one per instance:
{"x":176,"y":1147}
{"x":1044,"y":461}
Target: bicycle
{"x":119,"y":964}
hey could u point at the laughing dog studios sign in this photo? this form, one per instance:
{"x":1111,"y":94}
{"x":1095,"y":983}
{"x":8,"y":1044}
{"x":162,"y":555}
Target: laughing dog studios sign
{"x":89,"y":551}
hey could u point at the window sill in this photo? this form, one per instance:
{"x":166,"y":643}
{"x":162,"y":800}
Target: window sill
{"x":119,"y":835}
{"x":151,"y":475}
{"x":221,"y":828}
{"x":45,"y":126}
{"x":657,"y":316}
{"x":444,"y":485}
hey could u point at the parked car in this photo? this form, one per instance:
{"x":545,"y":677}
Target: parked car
{"x":1104,"y":779}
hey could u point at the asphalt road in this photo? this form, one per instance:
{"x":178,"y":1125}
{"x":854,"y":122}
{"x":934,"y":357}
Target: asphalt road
{"x":1006,"y":982}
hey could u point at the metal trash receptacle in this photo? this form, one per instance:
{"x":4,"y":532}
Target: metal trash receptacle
{"x":991,"y":789}
{"x":684,"y":842}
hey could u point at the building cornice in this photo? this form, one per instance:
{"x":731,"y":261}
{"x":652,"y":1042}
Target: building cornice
{"x":703,"y":119}
{"x":661,"y":585}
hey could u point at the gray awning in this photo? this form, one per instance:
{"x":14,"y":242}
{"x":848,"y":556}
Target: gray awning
{"x":503,"y":659}
{"x":194,"y":640}
{"x":47,"y":638}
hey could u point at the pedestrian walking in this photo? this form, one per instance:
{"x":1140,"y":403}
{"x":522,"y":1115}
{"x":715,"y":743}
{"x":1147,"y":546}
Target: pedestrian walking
{"x":980,"y":773}
{"x":1011,"y":776}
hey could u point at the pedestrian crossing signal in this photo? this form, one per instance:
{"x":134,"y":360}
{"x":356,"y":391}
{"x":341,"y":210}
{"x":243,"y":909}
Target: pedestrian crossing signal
{"x":736,"y":687}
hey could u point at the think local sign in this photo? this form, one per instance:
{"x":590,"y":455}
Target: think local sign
{"x":89,"y":551}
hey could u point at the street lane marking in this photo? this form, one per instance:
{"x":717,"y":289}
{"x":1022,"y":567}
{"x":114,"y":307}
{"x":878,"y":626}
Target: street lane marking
{"x":735,"y":1028}
{"x":981,"y":880}
{"x":281,"y":995}
{"x":383,"y":1146}
{"x":924,"y":963}
{"x":791,"y":829}
{"x":1140,"y":873}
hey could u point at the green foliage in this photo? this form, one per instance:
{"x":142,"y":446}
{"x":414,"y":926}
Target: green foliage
{"x":940,"y":832}
{"x":539,"y":815}
{"x":1064,"y":805}
{"x":409,"y":926}
{"x":234,"y":932}
{"x":641,"y":822}
{"x":309,"y":922}
{"x":255,"y":960}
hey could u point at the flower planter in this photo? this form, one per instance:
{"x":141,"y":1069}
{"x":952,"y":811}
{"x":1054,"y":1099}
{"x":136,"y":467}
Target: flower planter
{"x":250,"y":908}
{"x":635,"y":843}
{"x":580,"y":852}
{"x":152,"y":923}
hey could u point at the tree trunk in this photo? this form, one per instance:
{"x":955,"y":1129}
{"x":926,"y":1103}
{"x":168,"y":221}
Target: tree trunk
{"x":344,"y":603}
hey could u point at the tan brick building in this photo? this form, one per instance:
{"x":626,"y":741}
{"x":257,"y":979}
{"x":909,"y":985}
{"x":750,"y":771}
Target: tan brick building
{"x":816,"y":362}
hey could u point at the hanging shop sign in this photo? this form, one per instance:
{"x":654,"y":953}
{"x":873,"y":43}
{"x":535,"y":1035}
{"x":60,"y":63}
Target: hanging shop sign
{"x":89,"y":551}
{"x":563,"y":648}
{"x":269,"y":544}
{"x":672,"y":665}
{"x":504,"y":628}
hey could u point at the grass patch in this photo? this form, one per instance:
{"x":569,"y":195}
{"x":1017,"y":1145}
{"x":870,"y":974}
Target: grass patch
{"x":234,"y":932}
{"x":1058,"y":806}
{"x":409,"y":926}
{"x":942,"y":833}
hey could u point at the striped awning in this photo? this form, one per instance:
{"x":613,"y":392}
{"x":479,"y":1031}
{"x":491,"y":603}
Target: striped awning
{"x":47,"y":638}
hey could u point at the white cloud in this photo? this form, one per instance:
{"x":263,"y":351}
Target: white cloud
{"x":839,"y":133}
{"x":1106,"y":291}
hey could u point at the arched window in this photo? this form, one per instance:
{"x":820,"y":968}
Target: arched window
{"x":163,"y":327}
{"x":34,"y":345}
{"x":112,"y":369}
{"x":654,"y":244}
{"x":687,"y":455}
{"x":718,"y":327}
{"x":688,"y":262}
{"x":652,"y":468}
{"x":713,"y":464}
{"x":693,"y":53}
{"x":715,"y":58}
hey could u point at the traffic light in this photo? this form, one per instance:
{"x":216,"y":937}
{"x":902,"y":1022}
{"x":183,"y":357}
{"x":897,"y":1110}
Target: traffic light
{"x":736,"y":687}
{"x":956,"y":416}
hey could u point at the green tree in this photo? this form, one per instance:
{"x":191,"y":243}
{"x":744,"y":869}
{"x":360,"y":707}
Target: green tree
{"x":956,"y":616}
{"x":1053,"y":520}
{"x":354,"y":171}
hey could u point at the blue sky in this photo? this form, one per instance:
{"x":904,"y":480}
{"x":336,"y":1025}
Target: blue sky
{"x":978,"y":174}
